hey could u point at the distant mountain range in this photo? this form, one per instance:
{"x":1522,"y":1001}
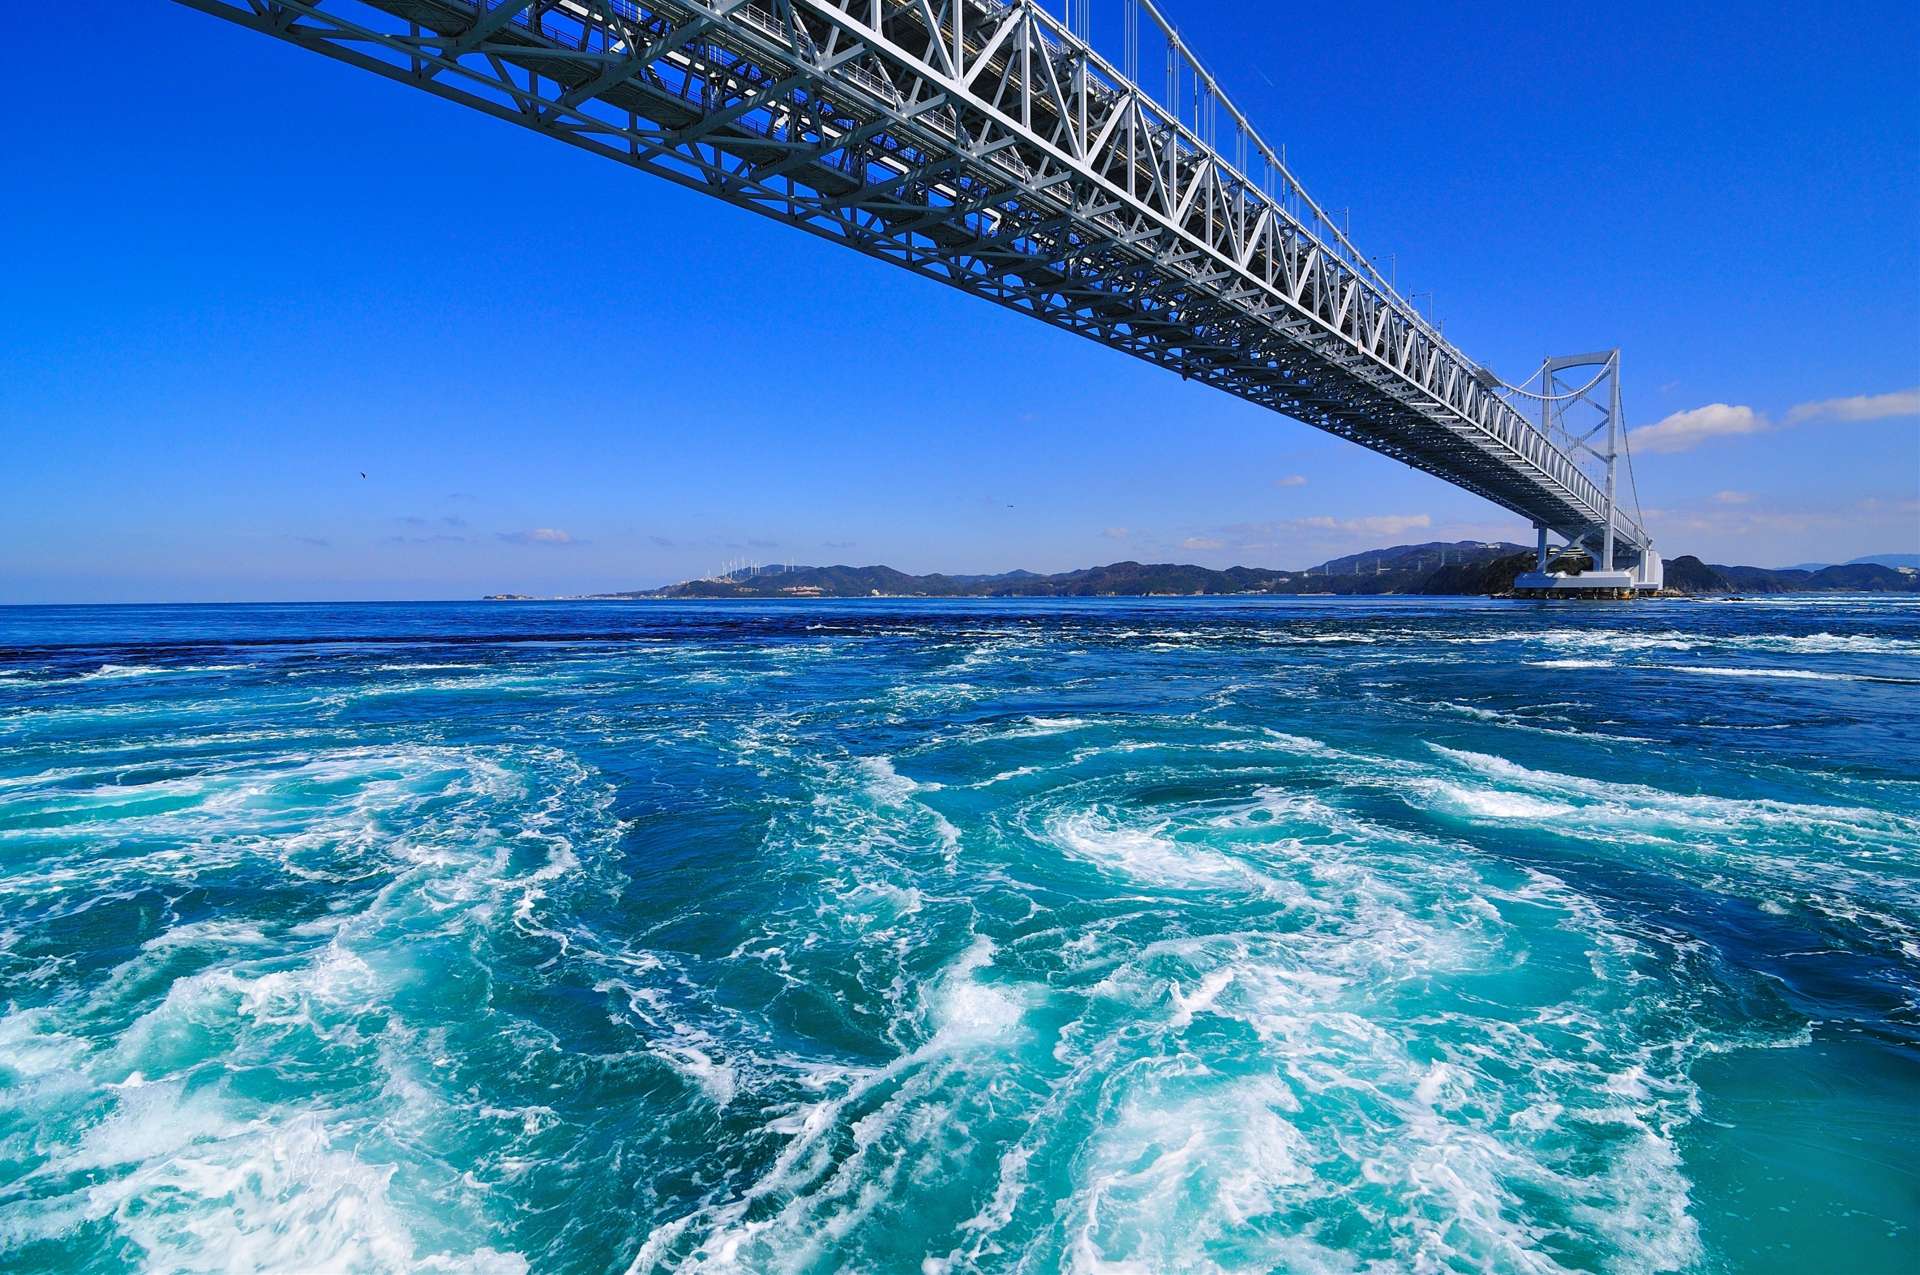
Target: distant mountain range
{"x":1436,"y":567}
{"x":1461,"y":567}
{"x":1882,"y":559}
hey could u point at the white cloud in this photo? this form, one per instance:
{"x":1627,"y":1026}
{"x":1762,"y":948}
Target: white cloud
{"x":1291,"y":480}
{"x":1859,"y":407}
{"x":538,"y":536}
{"x":1683,"y":431}
{"x":1202,"y":542}
{"x":1732,"y":497}
{"x":1115,"y":533}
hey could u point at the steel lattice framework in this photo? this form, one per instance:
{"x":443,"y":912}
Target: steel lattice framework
{"x":987,"y":145}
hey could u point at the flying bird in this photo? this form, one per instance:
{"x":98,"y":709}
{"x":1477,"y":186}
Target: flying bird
{"x":363,"y":473}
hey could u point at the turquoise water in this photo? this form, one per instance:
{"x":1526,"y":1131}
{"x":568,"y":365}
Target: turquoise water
{"x":1183,"y":936}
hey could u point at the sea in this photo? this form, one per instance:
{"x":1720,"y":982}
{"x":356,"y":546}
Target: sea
{"x":1164,"y":935}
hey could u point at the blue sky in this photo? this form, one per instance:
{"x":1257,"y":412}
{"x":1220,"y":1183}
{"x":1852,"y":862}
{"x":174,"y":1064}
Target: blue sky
{"x":238,"y":275}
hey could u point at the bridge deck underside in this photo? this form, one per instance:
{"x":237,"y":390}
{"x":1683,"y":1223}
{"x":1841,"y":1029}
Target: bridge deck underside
{"x":974,"y":143}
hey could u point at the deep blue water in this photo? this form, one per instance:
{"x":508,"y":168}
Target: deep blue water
{"x":1315,"y":935}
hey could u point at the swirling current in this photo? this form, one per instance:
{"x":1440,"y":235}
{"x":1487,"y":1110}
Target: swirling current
{"x":1305,"y":935}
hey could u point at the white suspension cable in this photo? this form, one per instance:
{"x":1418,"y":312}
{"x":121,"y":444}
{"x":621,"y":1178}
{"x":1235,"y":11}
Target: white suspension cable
{"x":1554,"y":398}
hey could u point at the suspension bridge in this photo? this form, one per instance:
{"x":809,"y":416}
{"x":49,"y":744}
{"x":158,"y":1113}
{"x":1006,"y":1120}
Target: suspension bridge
{"x":988,"y":144}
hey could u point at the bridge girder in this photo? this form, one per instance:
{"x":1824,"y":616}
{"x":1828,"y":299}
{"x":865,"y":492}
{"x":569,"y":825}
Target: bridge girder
{"x":983,"y":145}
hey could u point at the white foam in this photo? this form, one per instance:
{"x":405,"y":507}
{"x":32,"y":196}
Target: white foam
{"x":1474,"y":710}
{"x":887,"y":784}
{"x":1143,"y":853}
{"x":1489,"y":803}
{"x":416,"y":845}
{"x":194,"y":1186}
{"x":1038,"y":726}
{"x":1201,"y":999}
{"x":113,"y":672}
{"x":1335,"y":1110}
{"x":1177,"y":1168}
{"x":1750,"y":846}
{"x":831,"y":1187}
{"x":969,"y":1012}
{"x":1788,"y":674}
{"x":1018,"y":772}
{"x":1608,"y":799}
{"x":423,"y":666}
{"x":1830,"y":643}
{"x":31,"y":1047}
{"x":1294,"y":743}
{"x":719,"y":1080}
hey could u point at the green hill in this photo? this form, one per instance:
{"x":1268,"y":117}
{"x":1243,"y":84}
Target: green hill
{"x":1430,"y":568}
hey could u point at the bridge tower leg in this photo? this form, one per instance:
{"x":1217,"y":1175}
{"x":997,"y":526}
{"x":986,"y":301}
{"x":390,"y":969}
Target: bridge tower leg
{"x":1581,"y":410}
{"x":1613,"y":455}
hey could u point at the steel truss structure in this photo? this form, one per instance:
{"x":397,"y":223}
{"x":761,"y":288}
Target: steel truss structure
{"x":987,"y":145}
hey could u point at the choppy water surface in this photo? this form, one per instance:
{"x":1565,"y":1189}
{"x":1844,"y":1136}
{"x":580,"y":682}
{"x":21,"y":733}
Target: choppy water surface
{"x":1304,"y":936}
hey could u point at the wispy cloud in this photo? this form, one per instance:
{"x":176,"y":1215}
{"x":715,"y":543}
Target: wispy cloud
{"x":1317,"y":529}
{"x":317,"y":542}
{"x":539,"y":536}
{"x":1291,"y":480}
{"x":1859,"y":407}
{"x":1372,"y":525}
{"x":1684,"y":431}
{"x":1732,"y":497}
{"x":1202,"y":542}
{"x":1871,"y":514}
{"x":1114,"y":533}
{"x":438,"y":538}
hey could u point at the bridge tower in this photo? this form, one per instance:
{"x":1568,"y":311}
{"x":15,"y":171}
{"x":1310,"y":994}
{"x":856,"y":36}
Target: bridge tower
{"x":1580,"y":411}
